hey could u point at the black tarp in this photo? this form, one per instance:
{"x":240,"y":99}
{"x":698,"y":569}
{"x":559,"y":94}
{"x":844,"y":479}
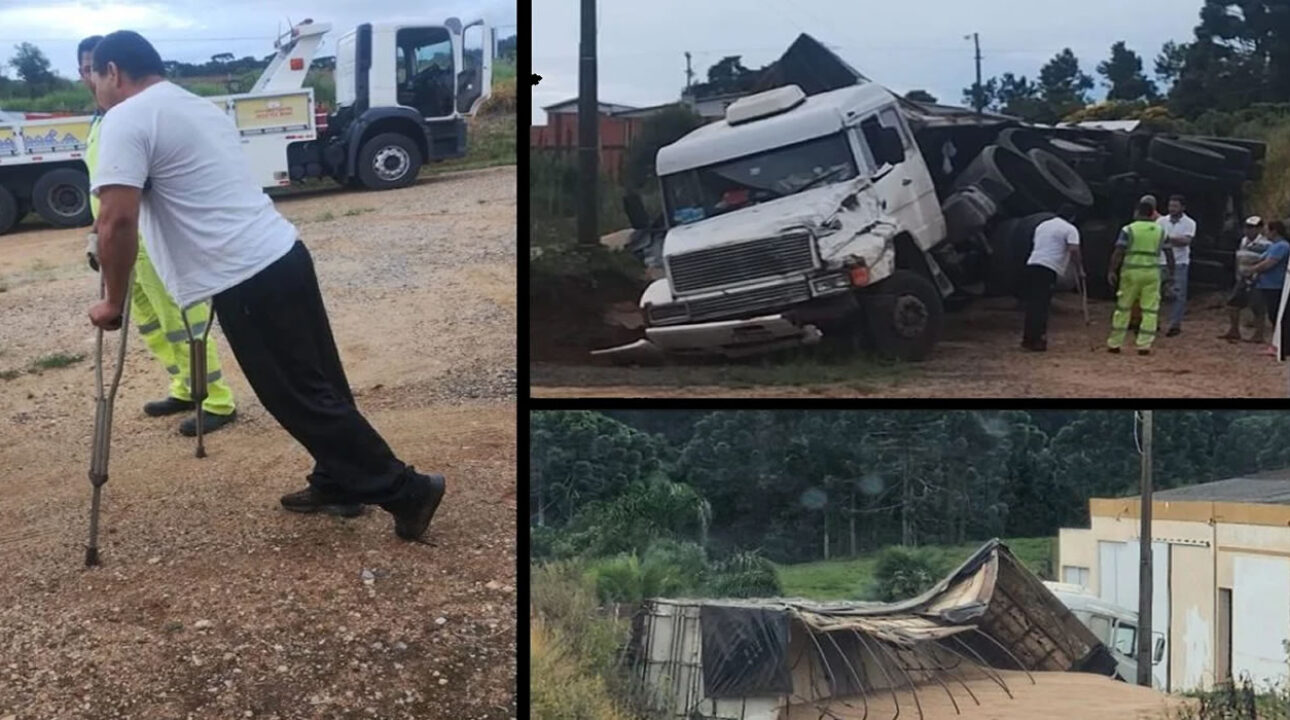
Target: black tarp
{"x":810,"y":66}
{"x":745,"y":651}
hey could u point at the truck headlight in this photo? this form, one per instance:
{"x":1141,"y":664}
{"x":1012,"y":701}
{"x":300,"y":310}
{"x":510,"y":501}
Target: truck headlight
{"x":667,"y":313}
{"x":830,"y":284}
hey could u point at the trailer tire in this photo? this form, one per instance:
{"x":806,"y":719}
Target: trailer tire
{"x":9,"y":210}
{"x":1061,"y":178}
{"x":1238,"y":158}
{"x":904,"y":316}
{"x":1185,"y":156}
{"x":986,"y":173}
{"x":389,"y":160}
{"x":62,"y":198}
{"x":1181,"y":177}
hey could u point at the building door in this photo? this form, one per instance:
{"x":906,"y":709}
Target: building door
{"x":1260,"y":618}
{"x":1224,"y":635}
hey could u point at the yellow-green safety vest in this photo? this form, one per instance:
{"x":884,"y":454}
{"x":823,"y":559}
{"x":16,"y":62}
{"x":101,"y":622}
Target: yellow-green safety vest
{"x":1145,"y":239}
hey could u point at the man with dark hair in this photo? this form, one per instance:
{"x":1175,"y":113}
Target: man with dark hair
{"x":1139,"y":280}
{"x":174,"y":162}
{"x":159,"y":319}
{"x":1055,"y":247}
{"x":1270,"y":277}
{"x":1180,"y":230}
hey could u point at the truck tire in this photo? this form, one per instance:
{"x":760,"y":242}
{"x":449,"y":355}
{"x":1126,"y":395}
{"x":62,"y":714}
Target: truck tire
{"x":986,"y":172}
{"x":1061,"y":178}
{"x":1238,"y":158}
{"x":1181,"y":177}
{"x":1185,"y":156}
{"x":9,"y":212}
{"x":1258,"y":149}
{"x":388,"y":161}
{"x":1015,"y":242}
{"x":1096,"y":243}
{"x":967,"y":211}
{"x":1023,"y":140}
{"x":904,"y":316}
{"x":62,"y":198}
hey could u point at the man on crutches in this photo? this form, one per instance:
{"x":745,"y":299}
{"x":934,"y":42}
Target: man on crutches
{"x":163,"y":325}
{"x":213,"y":233}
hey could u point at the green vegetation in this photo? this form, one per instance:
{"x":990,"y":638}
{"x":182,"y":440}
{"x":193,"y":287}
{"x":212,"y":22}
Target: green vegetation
{"x":10,"y":374}
{"x":358,"y":211}
{"x":57,"y":360}
{"x":871,"y":575}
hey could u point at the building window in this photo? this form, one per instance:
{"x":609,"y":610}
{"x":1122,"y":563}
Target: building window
{"x":1075,"y":575}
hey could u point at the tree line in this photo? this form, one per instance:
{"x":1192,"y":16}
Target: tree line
{"x":806,"y":485}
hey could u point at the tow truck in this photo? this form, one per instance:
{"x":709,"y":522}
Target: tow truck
{"x":403,"y":94}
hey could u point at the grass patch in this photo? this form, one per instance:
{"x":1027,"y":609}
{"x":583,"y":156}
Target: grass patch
{"x":358,"y":211}
{"x":329,"y":215}
{"x":56,"y":360}
{"x":9,"y":374}
{"x":490,"y":142}
{"x":853,"y":578}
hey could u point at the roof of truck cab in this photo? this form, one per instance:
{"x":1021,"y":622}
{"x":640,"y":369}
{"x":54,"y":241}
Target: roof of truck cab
{"x":817,"y":116}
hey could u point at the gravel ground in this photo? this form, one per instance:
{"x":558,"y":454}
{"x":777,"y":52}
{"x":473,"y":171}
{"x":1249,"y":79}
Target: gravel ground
{"x":213,"y":603}
{"x":978,"y":357}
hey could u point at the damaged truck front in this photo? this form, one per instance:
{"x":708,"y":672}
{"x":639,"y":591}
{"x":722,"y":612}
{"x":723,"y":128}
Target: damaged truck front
{"x":796,"y":219}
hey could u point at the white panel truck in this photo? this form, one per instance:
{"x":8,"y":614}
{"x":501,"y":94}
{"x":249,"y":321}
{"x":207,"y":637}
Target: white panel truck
{"x":403,"y":93}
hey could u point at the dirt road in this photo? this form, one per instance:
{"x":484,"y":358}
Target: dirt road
{"x":978,"y":357}
{"x":1068,"y":696}
{"x":211,"y":601}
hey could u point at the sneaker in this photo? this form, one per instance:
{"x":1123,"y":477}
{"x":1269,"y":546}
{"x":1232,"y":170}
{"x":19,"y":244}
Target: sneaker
{"x":169,"y":406}
{"x":413,"y":511}
{"x":309,"y":501}
{"x":1144,"y":351}
{"x":210,"y":423}
{"x":1113,"y":350}
{"x":1174,"y":332}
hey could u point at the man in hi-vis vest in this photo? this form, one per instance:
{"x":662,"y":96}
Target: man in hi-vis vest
{"x":159,"y":318}
{"x":1135,"y":271}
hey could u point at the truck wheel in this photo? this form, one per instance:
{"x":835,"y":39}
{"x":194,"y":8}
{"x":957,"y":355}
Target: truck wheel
{"x":904,"y":314}
{"x":1238,"y":158}
{"x":1170,"y":174}
{"x":9,"y":213}
{"x":1185,"y":156}
{"x":62,"y":198}
{"x":389,"y":160}
{"x":1061,"y":178}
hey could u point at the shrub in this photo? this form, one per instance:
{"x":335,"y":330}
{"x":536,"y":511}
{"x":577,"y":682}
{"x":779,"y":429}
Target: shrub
{"x":559,"y":688}
{"x":902,"y":573}
{"x":745,"y":575}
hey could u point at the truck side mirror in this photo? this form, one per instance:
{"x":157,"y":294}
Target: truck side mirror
{"x":1159,"y":653}
{"x":635,"y":209}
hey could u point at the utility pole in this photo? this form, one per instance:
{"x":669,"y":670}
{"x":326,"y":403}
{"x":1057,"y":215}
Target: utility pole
{"x":588,"y":129}
{"x":689,"y":74}
{"x":980,"y":90}
{"x":1144,"y":564}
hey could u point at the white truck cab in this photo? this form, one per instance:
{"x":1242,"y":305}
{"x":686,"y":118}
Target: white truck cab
{"x":793,"y":219}
{"x":1116,"y":627}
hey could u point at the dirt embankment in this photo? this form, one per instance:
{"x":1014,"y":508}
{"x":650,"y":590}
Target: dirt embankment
{"x":978,"y":357}
{"x":211,"y":601}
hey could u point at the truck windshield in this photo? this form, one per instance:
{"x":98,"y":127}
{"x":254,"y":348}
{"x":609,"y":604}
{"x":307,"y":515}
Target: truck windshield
{"x":693,"y":195}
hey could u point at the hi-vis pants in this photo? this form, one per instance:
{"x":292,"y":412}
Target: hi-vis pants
{"x":1140,"y":285}
{"x":162,"y":328}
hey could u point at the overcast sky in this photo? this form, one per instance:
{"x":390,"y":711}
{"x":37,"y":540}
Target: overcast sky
{"x":194,"y":30}
{"x":902,"y":44}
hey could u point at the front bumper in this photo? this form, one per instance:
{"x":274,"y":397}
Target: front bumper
{"x":728,"y":338}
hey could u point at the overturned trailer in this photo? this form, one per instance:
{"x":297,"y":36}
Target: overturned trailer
{"x":768,"y":659}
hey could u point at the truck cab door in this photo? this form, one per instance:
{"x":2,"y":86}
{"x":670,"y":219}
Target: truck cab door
{"x":475,"y":77}
{"x":900,"y":175}
{"x":426,"y":59}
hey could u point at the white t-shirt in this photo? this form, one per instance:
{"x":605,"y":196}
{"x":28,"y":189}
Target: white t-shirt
{"x":1184,"y":227}
{"x":1052,"y":238}
{"x":206,"y":223}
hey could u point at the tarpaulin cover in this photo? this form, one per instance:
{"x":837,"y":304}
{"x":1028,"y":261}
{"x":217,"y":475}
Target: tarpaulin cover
{"x":812,"y":67}
{"x":745,"y":651}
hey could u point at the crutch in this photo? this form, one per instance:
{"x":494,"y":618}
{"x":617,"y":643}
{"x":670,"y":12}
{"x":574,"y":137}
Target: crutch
{"x":1082,"y":282}
{"x":103,"y":416}
{"x":197,"y":370}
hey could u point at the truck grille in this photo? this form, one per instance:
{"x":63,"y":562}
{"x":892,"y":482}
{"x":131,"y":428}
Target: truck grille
{"x":745,"y":262}
{"x":750,"y":300}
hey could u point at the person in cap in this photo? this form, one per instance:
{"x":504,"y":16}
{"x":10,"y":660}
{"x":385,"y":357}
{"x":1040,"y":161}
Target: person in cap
{"x":1251,"y":248}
